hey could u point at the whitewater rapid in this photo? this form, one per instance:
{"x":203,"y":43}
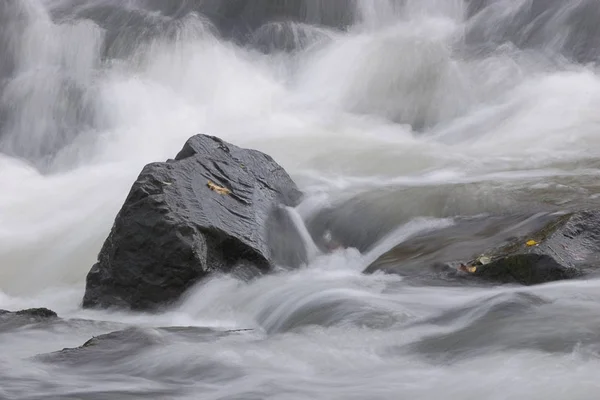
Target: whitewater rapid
{"x":397,"y":101}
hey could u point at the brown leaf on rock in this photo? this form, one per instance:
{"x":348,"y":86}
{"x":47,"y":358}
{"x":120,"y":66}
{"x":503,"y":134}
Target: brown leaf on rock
{"x":219,"y":189}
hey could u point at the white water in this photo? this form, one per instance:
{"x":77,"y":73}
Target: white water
{"x":391,"y":103}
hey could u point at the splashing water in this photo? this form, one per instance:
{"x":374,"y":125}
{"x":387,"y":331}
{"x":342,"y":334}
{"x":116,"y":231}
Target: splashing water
{"x":427,"y":110}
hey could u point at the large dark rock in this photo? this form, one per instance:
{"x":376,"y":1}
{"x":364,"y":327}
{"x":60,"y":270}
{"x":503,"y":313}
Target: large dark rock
{"x":215,"y":208}
{"x":540,"y":249}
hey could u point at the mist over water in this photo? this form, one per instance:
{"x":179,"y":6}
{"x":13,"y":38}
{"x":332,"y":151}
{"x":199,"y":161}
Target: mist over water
{"x":417,"y":112}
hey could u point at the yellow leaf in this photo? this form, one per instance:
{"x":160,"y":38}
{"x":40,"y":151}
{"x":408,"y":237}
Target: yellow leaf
{"x":531,"y":243}
{"x":467,"y":268}
{"x":217,"y":188}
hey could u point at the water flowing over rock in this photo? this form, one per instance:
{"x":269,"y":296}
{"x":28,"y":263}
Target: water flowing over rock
{"x":114,"y":347}
{"x":11,"y":320}
{"x":237,"y":18}
{"x":568,"y":27}
{"x":212,"y":209}
{"x":546,"y":248}
{"x":563,"y":249}
{"x":448,"y":146}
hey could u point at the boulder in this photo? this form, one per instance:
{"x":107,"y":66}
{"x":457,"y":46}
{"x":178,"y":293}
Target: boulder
{"x":214,"y":208}
{"x":37,"y":313}
{"x":12,"y":320}
{"x":563,"y":249}
{"x":525,"y":269}
{"x":518,"y":250}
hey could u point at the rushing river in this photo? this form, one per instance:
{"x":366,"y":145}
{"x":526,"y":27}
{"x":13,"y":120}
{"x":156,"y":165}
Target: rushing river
{"x":446,"y":108}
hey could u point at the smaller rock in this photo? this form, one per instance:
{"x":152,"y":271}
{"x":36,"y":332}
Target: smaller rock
{"x":105,"y":349}
{"x":39,"y":313}
{"x":11,"y":320}
{"x":525,"y":269}
{"x":519,"y":249}
{"x":562,"y":249}
{"x":109,"y":348}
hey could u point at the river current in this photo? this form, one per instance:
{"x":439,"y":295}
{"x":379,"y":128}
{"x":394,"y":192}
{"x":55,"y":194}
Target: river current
{"x":447,"y":108}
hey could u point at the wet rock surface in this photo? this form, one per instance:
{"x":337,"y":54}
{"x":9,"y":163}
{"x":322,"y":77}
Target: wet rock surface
{"x":214,"y":208}
{"x":10,"y":320}
{"x":563,"y":249}
{"x":544,"y":248}
{"x":525,"y":269}
{"x":41,"y":313}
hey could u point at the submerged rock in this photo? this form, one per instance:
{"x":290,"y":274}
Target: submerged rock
{"x":108,"y":348}
{"x":541,"y":249}
{"x":214,"y":208}
{"x":11,"y":320}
